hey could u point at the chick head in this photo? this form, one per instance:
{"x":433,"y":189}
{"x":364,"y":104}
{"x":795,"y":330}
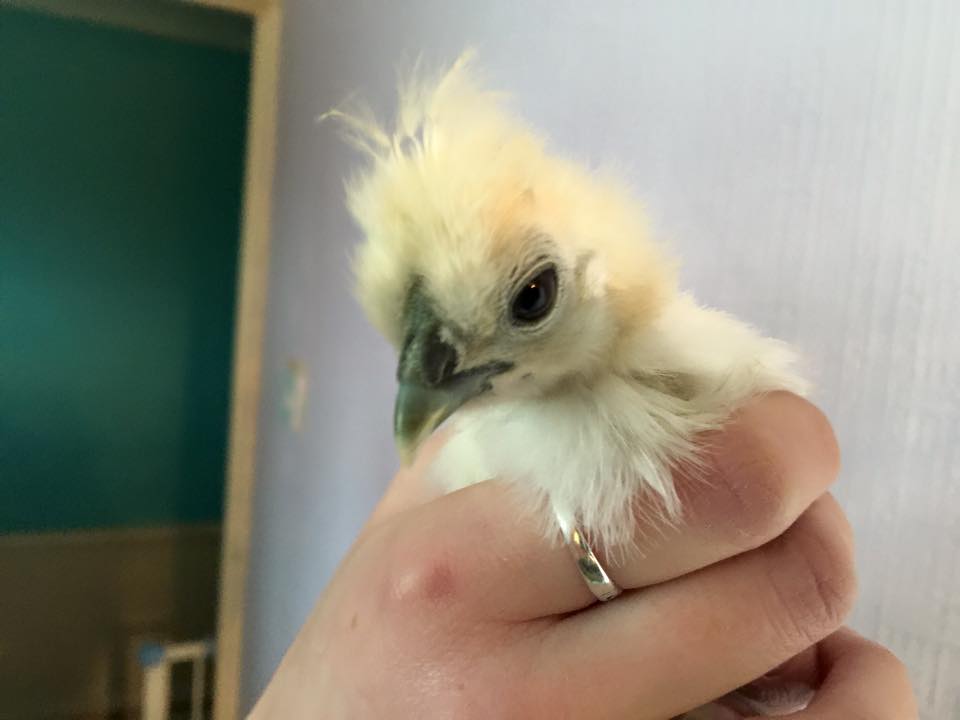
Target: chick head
{"x":495,"y":268}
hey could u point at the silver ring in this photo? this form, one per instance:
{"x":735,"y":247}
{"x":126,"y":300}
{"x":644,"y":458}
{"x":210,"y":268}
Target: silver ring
{"x":592,"y":572}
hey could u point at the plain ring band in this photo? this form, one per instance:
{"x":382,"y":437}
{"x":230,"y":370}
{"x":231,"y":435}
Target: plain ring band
{"x":592,"y":572}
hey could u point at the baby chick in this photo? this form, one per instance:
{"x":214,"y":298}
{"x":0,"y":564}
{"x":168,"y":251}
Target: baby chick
{"x":530,"y":305}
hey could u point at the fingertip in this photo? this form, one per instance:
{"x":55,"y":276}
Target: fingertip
{"x":860,"y":678}
{"x":809,"y":427}
{"x":773,"y":458}
{"x":811,"y":568}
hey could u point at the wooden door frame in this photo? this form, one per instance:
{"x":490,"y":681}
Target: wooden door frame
{"x":251,"y":298}
{"x":251,"y":303}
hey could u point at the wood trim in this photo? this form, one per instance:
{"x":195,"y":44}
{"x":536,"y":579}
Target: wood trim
{"x":247,"y":7}
{"x":253,"y":271}
{"x":248,"y":347}
{"x":197,"y":23}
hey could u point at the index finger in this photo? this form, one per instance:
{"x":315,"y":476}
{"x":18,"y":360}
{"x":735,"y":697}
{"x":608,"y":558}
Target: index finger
{"x":764,"y":469}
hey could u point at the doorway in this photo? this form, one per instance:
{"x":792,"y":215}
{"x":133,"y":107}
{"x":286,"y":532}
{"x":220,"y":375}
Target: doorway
{"x":124,"y":238}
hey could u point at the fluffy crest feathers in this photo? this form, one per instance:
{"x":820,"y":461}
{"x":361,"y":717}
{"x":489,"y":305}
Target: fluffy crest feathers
{"x":425,"y":103}
{"x":459,"y":187}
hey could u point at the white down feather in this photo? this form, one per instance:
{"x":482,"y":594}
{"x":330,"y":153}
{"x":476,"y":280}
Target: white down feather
{"x":586,"y":450}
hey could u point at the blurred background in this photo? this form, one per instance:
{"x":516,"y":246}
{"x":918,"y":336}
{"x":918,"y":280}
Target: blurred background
{"x":121,"y":165}
{"x":803,"y":158}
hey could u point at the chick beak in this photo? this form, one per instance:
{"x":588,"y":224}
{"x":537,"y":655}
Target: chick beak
{"x":431,"y":389}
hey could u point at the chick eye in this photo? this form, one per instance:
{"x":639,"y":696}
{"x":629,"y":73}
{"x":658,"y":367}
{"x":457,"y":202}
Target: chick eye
{"x":536,"y":297}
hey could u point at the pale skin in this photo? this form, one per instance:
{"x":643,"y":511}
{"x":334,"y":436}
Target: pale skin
{"x":457,"y":607}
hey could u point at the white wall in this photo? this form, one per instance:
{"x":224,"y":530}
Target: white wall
{"x":804,"y":158}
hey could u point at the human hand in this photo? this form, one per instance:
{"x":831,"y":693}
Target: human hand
{"x":455,"y":607}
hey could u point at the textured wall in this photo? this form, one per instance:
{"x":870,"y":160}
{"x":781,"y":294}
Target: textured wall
{"x":120,"y":166}
{"x":804,"y":158}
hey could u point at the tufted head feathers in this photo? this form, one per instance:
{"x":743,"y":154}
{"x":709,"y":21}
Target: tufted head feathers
{"x":485,"y":257}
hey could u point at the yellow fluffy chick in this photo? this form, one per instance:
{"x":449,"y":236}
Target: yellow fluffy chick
{"x":532,"y":309}
{"x":530,"y":306}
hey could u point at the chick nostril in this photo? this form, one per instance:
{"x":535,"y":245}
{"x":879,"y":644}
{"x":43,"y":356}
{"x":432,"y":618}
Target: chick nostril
{"x":439,"y":360}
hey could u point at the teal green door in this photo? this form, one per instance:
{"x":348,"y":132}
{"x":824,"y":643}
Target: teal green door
{"x":121,"y":164}
{"x":120,"y":188}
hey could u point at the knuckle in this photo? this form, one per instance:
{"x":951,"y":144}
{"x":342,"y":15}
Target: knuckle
{"x":815,"y":583}
{"x":428,"y":582}
{"x":421,"y":579}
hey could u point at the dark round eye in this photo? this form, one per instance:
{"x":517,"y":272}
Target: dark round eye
{"x":536,"y":297}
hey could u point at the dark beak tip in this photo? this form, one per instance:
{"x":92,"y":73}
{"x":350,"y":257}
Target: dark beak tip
{"x":418,"y":411}
{"x":407,"y":454}
{"x":422,"y":407}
